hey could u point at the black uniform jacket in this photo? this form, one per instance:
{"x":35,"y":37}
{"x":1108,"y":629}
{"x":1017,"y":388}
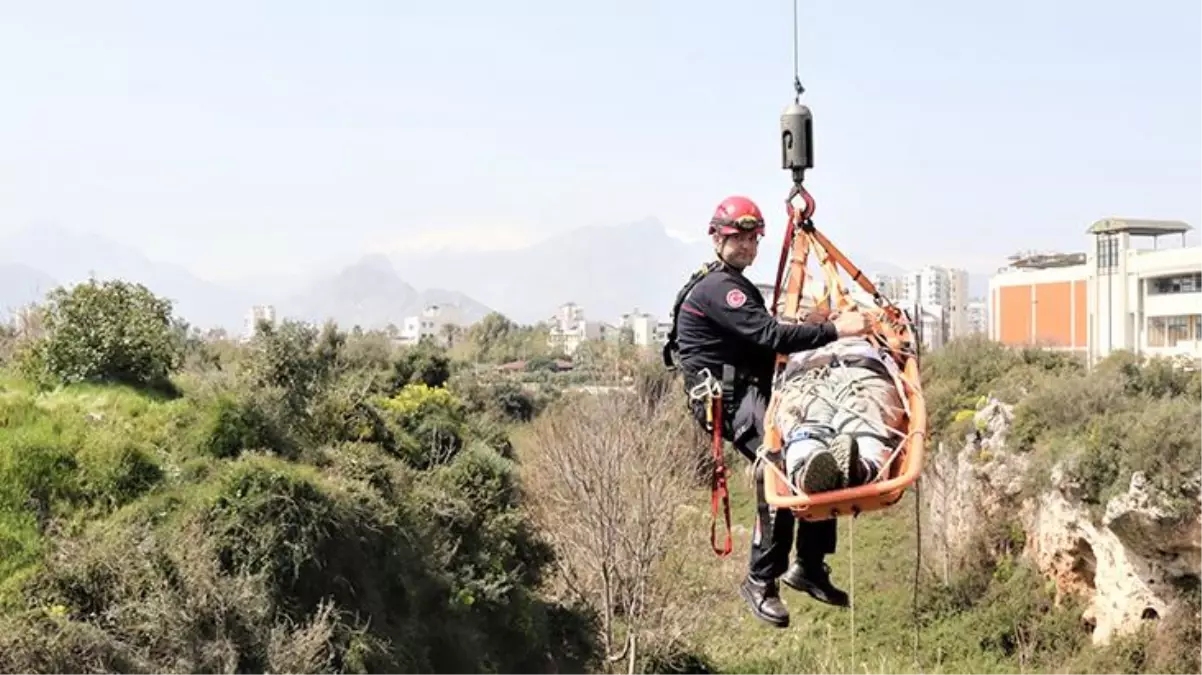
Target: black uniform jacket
{"x":724,"y":320}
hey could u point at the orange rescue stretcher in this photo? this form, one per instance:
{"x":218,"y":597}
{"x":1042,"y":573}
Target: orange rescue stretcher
{"x":890,"y":329}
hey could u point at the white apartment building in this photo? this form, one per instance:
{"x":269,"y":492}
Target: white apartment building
{"x":933,"y":291}
{"x":569,"y":329}
{"x":256,"y":314}
{"x":642,"y":325}
{"x":430,"y":323}
{"x":1115,"y":296}
{"x":568,"y":314}
{"x":978,"y":317}
{"x":957,"y":303}
{"x":662,"y":328}
{"x":893,"y":288}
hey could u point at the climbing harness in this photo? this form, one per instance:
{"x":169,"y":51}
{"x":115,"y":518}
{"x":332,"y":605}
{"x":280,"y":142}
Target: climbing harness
{"x":709,"y":391}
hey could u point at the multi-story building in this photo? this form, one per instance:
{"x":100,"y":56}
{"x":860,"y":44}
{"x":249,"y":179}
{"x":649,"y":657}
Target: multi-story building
{"x":642,"y":325}
{"x":568,"y":314}
{"x":957,"y":303}
{"x":978,"y":317}
{"x":944,"y":291}
{"x":257,"y":313}
{"x":569,"y":329}
{"x":926,"y":293}
{"x":431,"y":322}
{"x":662,"y":328}
{"x":1113,"y":297}
{"x":892,"y":287}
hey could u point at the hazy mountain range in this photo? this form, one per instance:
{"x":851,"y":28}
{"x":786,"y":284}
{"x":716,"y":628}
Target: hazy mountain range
{"x":607,"y":270}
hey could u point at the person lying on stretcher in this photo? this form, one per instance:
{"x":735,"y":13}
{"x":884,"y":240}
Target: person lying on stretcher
{"x":840,"y":414}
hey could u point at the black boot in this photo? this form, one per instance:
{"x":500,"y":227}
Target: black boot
{"x":846,"y":450}
{"x":814,"y":578}
{"x":764,"y":598}
{"x":820,"y":473}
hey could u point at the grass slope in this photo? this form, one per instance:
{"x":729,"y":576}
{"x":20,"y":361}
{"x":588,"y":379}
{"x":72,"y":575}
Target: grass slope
{"x":998,"y":618}
{"x":820,"y":637}
{"x":128,"y":544}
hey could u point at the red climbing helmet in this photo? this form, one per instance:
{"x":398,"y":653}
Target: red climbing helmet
{"x":737,"y":214}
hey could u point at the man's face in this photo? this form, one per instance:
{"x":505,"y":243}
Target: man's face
{"x":738,"y":250}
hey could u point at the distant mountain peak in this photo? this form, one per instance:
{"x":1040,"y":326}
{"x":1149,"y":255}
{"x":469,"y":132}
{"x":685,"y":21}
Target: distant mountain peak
{"x":378,"y":263}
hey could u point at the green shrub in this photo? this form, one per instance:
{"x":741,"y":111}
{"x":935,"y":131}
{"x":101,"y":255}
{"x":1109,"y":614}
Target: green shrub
{"x":957,"y":375}
{"x":115,"y":470}
{"x":1064,"y":403}
{"x":295,"y":360}
{"x":229,"y":425}
{"x":1159,"y":438}
{"x":434,"y":420}
{"x":38,"y":473}
{"x":106,"y":331}
{"x":269,"y":561}
{"x":424,"y":363}
{"x":510,"y":402}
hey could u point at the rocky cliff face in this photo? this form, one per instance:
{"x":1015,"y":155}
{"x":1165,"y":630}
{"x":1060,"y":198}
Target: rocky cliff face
{"x":1127,"y":566}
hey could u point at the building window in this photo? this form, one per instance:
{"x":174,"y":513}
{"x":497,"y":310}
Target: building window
{"x":1156,"y":331}
{"x":1167,"y":331}
{"x":1108,"y":254}
{"x":1178,"y":329}
{"x":1182,"y":283}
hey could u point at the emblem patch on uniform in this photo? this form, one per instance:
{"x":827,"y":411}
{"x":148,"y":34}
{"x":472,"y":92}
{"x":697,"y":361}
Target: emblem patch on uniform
{"x":735,"y":298}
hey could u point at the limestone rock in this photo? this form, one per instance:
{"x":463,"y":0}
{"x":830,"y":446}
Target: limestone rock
{"x":1150,"y":526}
{"x":1122,"y":589}
{"x":1123,"y":567}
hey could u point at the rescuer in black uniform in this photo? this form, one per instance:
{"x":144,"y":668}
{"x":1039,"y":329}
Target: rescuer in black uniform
{"x":721,"y":323}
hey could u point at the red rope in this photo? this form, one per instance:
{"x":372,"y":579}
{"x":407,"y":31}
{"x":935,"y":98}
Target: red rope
{"x":720,"y":491}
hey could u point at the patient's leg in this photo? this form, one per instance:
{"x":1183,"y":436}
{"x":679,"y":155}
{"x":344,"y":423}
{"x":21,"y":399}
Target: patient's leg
{"x":870,"y":411}
{"x":805,"y":419}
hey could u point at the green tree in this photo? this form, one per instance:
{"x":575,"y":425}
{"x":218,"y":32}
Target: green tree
{"x":450,"y":333}
{"x":106,"y":331}
{"x":489,"y":333}
{"x":294,"y":358}
{"x":425,"y":362}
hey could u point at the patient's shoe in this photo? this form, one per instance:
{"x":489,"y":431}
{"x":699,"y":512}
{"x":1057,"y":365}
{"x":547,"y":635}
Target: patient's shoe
{"x":820,"y":473}
{"x":847,"y":453}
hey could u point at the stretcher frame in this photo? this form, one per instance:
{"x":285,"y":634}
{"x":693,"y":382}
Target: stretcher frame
{"x":890,"y":329}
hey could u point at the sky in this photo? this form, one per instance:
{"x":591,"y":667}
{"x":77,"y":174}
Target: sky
{"x":241,"y":138}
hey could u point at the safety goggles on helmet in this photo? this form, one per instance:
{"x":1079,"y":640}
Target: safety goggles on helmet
{"x":727,"y":226}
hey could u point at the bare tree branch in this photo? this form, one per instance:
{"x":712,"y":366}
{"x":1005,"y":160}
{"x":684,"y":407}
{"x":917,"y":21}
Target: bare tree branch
{"x":607,"y":474}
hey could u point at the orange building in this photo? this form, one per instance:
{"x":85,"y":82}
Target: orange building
{"x":1042,"y":303}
